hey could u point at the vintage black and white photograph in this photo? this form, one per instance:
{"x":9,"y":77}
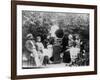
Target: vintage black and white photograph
{"x":49,"y":40}
{"x":55,"y":39}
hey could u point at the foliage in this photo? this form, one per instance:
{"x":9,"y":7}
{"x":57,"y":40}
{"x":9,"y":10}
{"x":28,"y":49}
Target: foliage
{"x":39,"y":23}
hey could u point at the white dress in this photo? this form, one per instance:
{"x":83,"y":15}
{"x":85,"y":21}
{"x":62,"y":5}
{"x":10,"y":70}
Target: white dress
{"x":40,"y":49}
{"x":74,"y":51}
{"x":48,"y":51}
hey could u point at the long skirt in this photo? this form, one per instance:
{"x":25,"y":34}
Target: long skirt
{"x":66,"y":57}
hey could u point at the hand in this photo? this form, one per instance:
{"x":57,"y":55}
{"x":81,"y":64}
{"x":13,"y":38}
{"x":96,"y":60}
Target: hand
{"x":61,"y":55}
{"x":31,"y":55}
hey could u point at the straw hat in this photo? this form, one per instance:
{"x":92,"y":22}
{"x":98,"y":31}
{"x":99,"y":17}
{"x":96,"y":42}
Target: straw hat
{"x":29,"y":36}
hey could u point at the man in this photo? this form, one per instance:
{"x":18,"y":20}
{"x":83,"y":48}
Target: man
{"x":74,"y":51}
{"x":30,"y":46}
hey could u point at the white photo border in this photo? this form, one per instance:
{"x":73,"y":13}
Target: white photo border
{"x":21,"y":71}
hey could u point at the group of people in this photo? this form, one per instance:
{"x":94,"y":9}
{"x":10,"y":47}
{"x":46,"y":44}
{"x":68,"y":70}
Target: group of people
{"x":71,"y":47}
{"x":36,"y":50}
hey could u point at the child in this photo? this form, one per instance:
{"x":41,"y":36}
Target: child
{"x":74,"y":51}
{"x":48,"y":52}
{"x":40,"y":48}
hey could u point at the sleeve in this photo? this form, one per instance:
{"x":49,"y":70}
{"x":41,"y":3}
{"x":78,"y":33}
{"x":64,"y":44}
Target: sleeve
{"x":42,"y":46}
{"x":29,"y":46}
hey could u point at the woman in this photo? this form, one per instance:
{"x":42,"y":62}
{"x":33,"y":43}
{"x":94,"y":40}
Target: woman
{"x":66,"y":55}
{"x":70,"y":40}
{"x":77,"y":40}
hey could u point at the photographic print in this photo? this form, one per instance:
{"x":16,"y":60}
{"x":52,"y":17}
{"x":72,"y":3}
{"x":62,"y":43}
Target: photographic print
{"x":54,"y":39}
{"x":51,"y":39}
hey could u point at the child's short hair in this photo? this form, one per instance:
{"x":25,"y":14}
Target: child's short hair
{"x":38,"y":37}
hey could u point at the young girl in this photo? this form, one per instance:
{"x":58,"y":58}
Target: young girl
{"x":40,"y":48}
{"x":48,"y":53}
{"x":74,"y":51}
{"x":78,"y":42}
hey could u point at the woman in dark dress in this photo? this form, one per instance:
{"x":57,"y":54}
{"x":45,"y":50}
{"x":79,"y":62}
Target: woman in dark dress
{"x":66,"y":56}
